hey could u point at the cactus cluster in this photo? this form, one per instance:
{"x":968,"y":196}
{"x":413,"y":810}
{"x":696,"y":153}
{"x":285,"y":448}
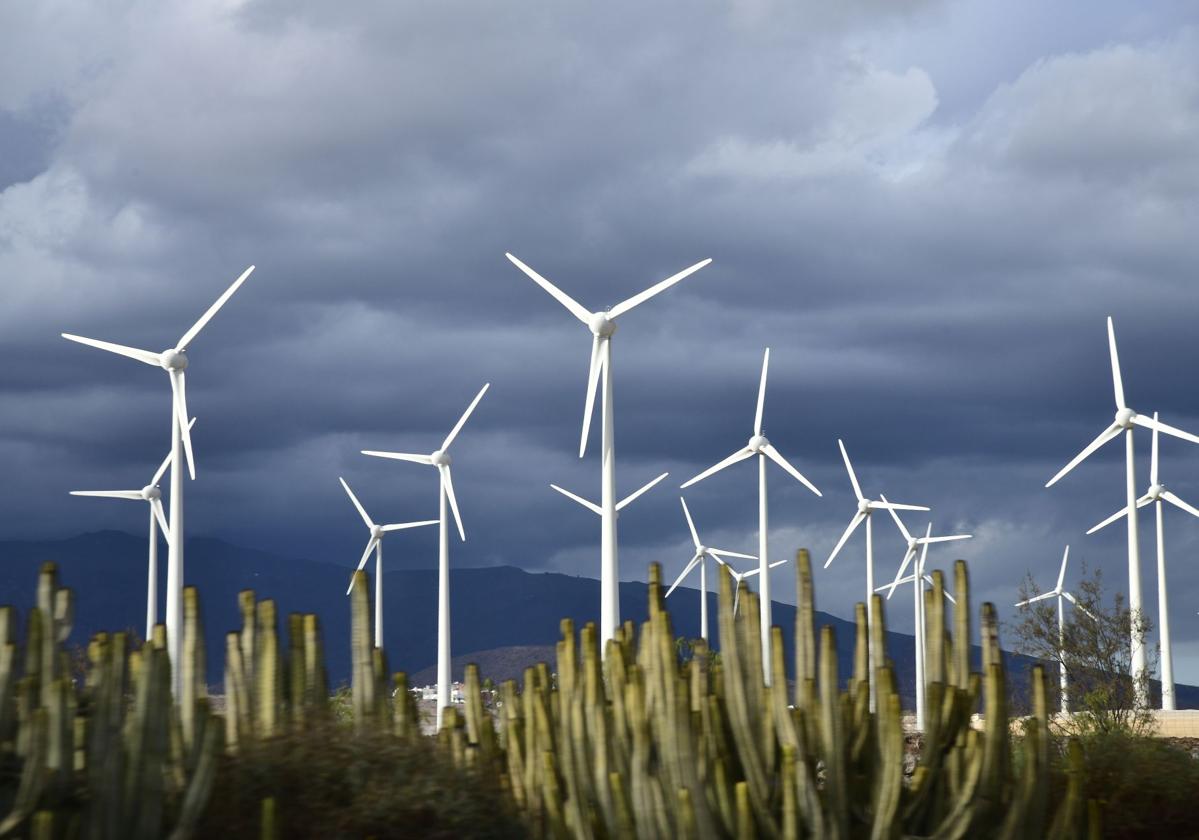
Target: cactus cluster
{"x":633,"y":743}
{"x":113,"y":758}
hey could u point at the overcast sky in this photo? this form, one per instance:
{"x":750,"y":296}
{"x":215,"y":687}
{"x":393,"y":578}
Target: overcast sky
{"x":925,"y":209}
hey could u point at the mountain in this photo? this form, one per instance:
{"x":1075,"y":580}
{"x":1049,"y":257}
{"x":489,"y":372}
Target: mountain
{"x":503,"y":617}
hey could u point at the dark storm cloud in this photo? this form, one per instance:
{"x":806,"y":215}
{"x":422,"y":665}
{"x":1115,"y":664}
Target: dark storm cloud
{"x":928,"y":240}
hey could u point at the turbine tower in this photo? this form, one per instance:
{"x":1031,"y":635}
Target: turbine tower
{"x":440,"y":458}
{"x":1059,"y":593}
{"x":152,"y":494}
{"x":602,"y":326}
{"x":174,"y":361}
{"x":763,"y":448}
{"x":865,"y":508}
{"x":375,"y":543}
{"x":918,"y":578}
{"x":1157,"y":493}
{"x":702,"y":552}
{"x":1124,"y":421}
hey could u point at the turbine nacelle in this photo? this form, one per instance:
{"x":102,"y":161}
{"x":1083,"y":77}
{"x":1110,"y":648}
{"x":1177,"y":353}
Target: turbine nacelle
{"x":173,"y":360}
{"x":151,"y":493}
{"x":1156,"y":491}
{"x":865,"y":507}
{"x":377,"y":532}
{"x":757,"y":443}
{"x":1125,"y":418}
{"x":440,"y":458}
{"x":601,"y":324}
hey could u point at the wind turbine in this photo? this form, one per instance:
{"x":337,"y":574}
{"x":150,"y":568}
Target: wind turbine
{"x":763,"y":448}
{"x":702,"y":552}
{"x":174,"y":361}
{"x":440,"y":458}
{"x":863,"y":514}
{"x":152,"y":494}
{"x":375,"y":543}
{"x":1124,"y":420}
{"x":602,"y":326}
{"x":740,"y":576}
{"x":1059,"y":593}
{"x":1156,"y":494}
{"x":918,"y":578}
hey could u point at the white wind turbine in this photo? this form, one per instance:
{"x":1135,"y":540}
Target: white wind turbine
{"x":1124,"y":421}
{"x":375,"y":544}
{"x":918,"y":578}
{"x":1156,"y":494}
{"x":440,"y":458}
{"x":740,"y":576}
{"x":702,"y":552}
{"x":152,"y":494}
{"x":763,"y":448}
{"x":174,"y":361}
{"x":863,"y":514}
{"x":602,"y":326}
{"x":1060,"y":593}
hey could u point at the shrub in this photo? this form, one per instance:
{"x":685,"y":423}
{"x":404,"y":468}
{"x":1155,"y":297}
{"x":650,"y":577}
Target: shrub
{"x":1145,"y":787}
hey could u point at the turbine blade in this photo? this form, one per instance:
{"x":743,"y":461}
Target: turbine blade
{"x":591,"y":506}
{"x":110,"y":494}
{"x":898,"y":522}
{"x":761,"y":393}
{"x":144,"y":356}
{"x":179,"y":387}
{"x":403,"y":526}
{"x":632,"y":497}
{"x":720,"y":552}
{"x":1179,"y":503}
{"x":465,"y":416}
{"x":1077,"y":605}
{"x":853,"y":479}
{"x":366,"y":555}
{"x":1061,"y":576}
{"x":572,"y":305}
{"x":399,"y":456}
{"x":447,"y":481}
{"x":857,"y":519}
{"x":1142,"y":420}
{"x":161,"y":516}
{"x":896,"y":506}
{"x":886,"y":587}
{"x":638,"y":299}
{"x":1043,"y":596}
{"x":1153,"y":460}
{"x":691,"y":524}
{"x":774,"y":455}
{"x":908,"y":556}
{"x":166,"y":462}
{"x":927,"y":540}
{"x":739,"y":455}
{"x":750,"y":573}
{"x":1117,"y":381}
{"x":1121,"y":512}
{"x":777,"y":563}
{"x":190,"y":335}
{"x":593,"y":375}
{"x":361,"y":510}
{"x":923,"y":551}
{"x":691,"y":565}
{"x":1107,"y":434}
{"x":736,"y":596}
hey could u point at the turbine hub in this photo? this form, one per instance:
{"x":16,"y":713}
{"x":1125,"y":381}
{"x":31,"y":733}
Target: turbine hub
{"x":701,"y":550}
{"x":440,"y":458}
{"x":151,"y":493}
{"x":602,"y":325}
{"x":174,"y":360}
{"x":1124,"y":418}
{"x":1156,"y":490}
{"x":758,"y":442}
{"x":912,"y":544}
{"x":864,"y":506}
{"x":376,"y":532}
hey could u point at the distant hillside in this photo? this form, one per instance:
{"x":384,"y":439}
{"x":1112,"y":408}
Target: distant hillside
{"x":502,"y":617}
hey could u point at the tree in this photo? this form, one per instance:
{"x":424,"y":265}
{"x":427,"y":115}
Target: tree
{"x":1093,"y":647}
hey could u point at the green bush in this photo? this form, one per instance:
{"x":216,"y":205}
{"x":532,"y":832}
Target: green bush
{"x":328,"y":783}
{"x":1145,"y":787}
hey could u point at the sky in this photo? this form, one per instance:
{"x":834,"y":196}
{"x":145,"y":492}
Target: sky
{"x":926,"y":210}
